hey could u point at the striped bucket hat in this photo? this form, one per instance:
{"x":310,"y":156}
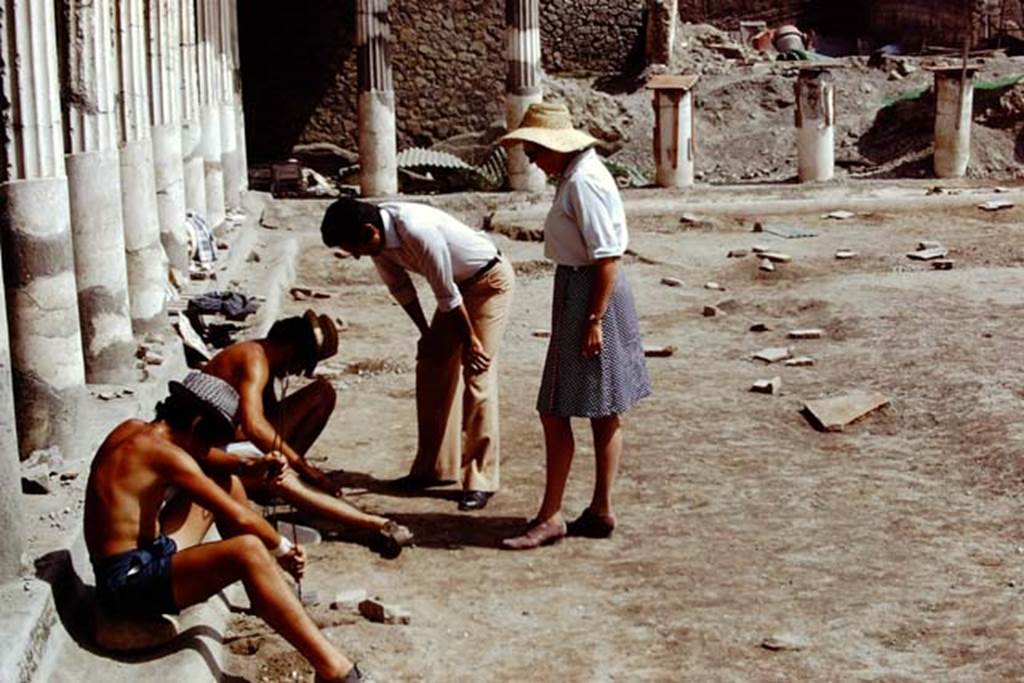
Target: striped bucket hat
{"x":210,"y":396}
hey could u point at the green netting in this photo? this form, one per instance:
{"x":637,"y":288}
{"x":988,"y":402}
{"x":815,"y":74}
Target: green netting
{"x":905,"y":96}
{"x":917,"y":93}
{"x":999,"y":84}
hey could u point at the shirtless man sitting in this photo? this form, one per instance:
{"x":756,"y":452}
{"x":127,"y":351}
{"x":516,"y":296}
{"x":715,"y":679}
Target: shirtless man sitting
{"x":149,"y":557}
{"x":291,"y":425}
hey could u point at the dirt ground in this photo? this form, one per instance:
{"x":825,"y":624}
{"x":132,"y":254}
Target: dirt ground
{"x":891,"y":551}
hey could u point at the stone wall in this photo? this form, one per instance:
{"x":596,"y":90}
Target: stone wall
{"x":592,"y":36}
{"x":940,"y":22}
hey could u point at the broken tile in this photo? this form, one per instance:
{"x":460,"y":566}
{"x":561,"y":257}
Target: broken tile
{"x":767,"y":386}
{"x":784,"y":641}
{"x":844,"y":254}
{"x":834,"y":413}
{"x":714,"y":285}
{"x":840,"y":215}
{"x":776,"y":256}
{"x":800,"y":362}
{"x":760,"y":327}
{"x":712,"y":311}
{"x":767,"y":265}
{"x":996,"y":205}
{"x":927,"y":254}
{"x":943,"y":264}
{"x":658,"y":351}
{"x":810,"y":333}
{"x":759,"y":248}
{"x":773,"y":354}
{"x":671,"y":282}
{"x":737,"y":253}
{"x":928,"y":244}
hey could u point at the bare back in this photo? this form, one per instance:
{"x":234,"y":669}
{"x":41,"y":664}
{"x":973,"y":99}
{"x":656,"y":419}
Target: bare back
{"x":126,"y":488}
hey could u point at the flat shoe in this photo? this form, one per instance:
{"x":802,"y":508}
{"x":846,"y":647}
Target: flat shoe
{"x":474,"y":500}
{"x":540,"y":533}
{"x":591,"y":525}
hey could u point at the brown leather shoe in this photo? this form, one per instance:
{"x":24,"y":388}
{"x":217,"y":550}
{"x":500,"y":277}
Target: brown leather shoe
{"x":539,"y":533}
{"x":591,"y":525}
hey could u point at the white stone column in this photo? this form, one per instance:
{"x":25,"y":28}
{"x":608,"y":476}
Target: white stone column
{"x":522,"y":85}
{"x":12,"y":527}
{"x":243,"y":157}
{"x":191,"y":124}
{"x":815,"y":123}
{"x":94,"y":185}
{"x":208,"y":31}
{"x":228,"y":113}
{"x":954,"y":105}
{"x":378,"y":156}
{"x":39,"y":269}
{"x":674,"y":145}
{"x":163,"y":29}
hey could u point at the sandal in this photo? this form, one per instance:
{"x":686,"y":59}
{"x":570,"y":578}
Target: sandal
{"x":591,"y":525}
{"x":394,"y":537}
{"x":538,"y":534}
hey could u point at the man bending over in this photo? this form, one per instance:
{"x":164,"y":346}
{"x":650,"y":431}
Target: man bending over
{"x":291,"y":424}
{"x":149,"y":557}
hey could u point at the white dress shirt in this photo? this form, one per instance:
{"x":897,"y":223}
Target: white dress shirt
{"x":424,"y":240}
{"x":586,"y":221}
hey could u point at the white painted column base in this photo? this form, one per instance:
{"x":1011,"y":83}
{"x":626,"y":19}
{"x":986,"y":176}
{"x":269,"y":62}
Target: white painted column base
{"x":169,"y":174}
{"x":192,"y":161}
{"x":816,"y":143}
{"x":101,"y":270}
{"x":229,"y":158}
{"x":952,"y":127}
{"x":378,"y":163}
{"x":674,"y":146}
{"x":522,"y":175}
{"x":146,"y":260}
{"x":213,"y":169}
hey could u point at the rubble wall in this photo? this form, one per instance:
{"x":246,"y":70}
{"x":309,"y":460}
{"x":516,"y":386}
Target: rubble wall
{"x":299,"y":61}
{"x":935,"y":22}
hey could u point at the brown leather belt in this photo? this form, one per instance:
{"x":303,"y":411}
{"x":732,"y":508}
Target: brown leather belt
{"x":478,"y":275}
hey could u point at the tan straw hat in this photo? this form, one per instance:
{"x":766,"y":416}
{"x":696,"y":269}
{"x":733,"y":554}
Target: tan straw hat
{"x":549,"y":125}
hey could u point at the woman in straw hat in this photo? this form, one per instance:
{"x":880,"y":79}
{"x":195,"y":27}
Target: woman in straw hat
{"x":595,"y":363}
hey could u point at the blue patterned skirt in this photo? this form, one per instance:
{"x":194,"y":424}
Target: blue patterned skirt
{"x":608,"y":384}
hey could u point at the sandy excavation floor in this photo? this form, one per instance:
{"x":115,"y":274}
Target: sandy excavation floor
{"x":891,"y":551}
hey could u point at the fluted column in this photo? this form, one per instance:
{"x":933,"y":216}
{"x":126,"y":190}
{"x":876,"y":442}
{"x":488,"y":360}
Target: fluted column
{"x":39,"y":270}
{"x":94,"y":184}
{"x":163,"y":28}
{"x":191,"y":125}
{"x":12,"y":536}
{"x":208,"y":31}
{"x":243,"y":158}
{"x":378,"y":165}
{"x":228,"y":113}
{"x":147,"y":262}
{"x":522,"y":85}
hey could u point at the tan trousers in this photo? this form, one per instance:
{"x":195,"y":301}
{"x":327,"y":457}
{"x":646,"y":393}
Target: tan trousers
{"x":459,"y":440}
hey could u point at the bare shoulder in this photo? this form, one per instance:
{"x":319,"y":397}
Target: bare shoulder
{"x":238,"y":362}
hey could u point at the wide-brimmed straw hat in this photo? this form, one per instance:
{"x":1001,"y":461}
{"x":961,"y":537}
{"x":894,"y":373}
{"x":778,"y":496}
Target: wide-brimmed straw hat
{"x":549,"y":125}
{"x":325,"y":338}
{"x":209,"y":396}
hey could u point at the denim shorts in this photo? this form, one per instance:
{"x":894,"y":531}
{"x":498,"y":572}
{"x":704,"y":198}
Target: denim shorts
{"x":138,"y":581}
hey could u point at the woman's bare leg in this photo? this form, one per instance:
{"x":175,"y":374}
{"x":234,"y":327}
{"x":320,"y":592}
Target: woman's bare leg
{"x":607,"y":453}
{"x":559,"y":447}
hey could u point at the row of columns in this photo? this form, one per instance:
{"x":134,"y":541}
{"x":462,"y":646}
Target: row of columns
{"x":815,"y":124}
{"x":106,"y":149}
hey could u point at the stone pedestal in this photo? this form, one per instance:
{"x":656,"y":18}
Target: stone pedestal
{"x":674,"y":147}
{"x":954,"y":104}
{"x":815,"y":123}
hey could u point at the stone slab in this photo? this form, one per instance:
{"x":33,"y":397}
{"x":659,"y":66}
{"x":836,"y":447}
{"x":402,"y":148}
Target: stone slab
{"x":773,"y":354}
{"x":767,"y":386}
{"x":927,"y":254}
{"x":836,"y":412}
{"x":811,"y":333}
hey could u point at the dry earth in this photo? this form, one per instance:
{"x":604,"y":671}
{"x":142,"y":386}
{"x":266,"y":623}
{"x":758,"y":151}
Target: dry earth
{"x":891,"y":551}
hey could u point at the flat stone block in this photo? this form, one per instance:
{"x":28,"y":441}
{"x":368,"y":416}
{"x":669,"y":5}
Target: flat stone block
{"x":378,"y":612}
{"x":737,"y":253}
{"x":927,"y":254}
{"x":844,"y":254}
{"x":943,"y":264}
{"x":776,"y":256}
{"x":773,"y":354}
{"x":767,"y":386}
{"x":834,"y":413}
{"x":800,"y":362}
{"x":767,"y":266}
{"x":806,"y":334}
{"x":996,"y":205}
